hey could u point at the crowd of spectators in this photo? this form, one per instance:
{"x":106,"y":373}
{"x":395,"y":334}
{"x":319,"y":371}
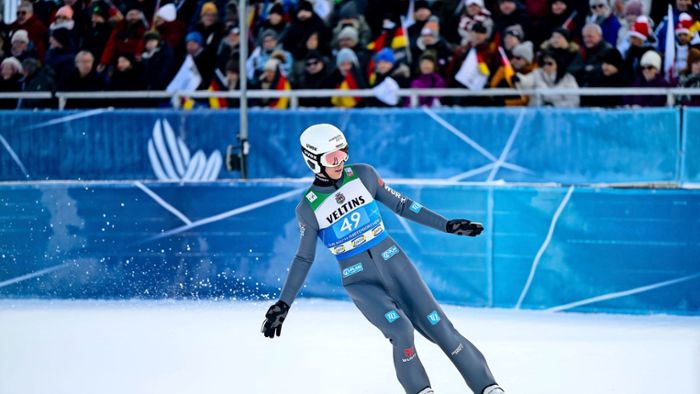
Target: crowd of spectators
{"x":156,"y":45}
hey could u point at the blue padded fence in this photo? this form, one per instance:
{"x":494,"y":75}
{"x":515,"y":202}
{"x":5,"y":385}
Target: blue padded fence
{"x":582,"y":146}
{"x":610,"y":250}
{"x":691,"y":145}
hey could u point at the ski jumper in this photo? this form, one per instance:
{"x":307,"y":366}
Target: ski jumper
{"x":377,"y":274}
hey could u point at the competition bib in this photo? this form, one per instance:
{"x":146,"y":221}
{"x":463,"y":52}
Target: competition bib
{"x":348,"y":218}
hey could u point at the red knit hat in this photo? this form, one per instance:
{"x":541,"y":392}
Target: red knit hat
{"x":641,"y":28}
{"x":685,"y":21}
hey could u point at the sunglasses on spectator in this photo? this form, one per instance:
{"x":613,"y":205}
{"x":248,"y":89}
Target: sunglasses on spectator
{"x":548,"y":63}
{"x":312,"y":63}
{"x":594,"y":6}
{"x":518,"y":58}
{"x":21,"y":13}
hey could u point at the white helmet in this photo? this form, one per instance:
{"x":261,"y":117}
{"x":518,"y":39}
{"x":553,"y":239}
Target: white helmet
{"x":319,"y":139}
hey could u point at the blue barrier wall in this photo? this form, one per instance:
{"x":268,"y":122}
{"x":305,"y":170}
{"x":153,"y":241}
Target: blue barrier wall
{"x":470,"y":144}
{"x":691,"y":145}
{"x":606,"y":250}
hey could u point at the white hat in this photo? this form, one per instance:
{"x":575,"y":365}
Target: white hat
{"x":480,"y":3}
{"x":20,"y":35}
{"x":167,"y":12}
{"x":14,"y":62}
{"x":651,"y":58}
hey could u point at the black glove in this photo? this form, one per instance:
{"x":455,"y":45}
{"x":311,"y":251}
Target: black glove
{"x":464,"y":227}
{"x":274,"y":318}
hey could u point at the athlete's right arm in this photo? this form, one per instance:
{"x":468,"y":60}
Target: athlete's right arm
{"x":308,"y":230}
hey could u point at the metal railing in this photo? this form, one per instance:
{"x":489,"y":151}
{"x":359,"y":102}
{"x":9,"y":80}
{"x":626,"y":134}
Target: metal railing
{"x":412,"y":94}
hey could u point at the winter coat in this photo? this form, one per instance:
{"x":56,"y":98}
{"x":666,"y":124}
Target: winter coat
{"x":648,"y":101}
{"x":159,"y":67}
{"x":428,"y":81}
{"x":124,"y":39}
{"x":90,"y":83}
{"x":61,"y":60}
{"x":364,"y":32}
{"x":610,"y":26}
{"x":131,"y":79}
{"x":633,"y":57}
{"x":42,"y":80}
{"x":441,"y":48}
{"x":95,"y":40}
{"x":517,"y":17}
{"x":211,"y":35}
{"x":499,"y":81}
{"x":294,"y":41}
{"x":37,"y":34}
{"x":399,"y":73}
{"x":587,"y":65}
{"x":315,"y":81}
{"x":618,"y":80}
{"x":687,"y":80}
{"x":173,"y":33}
{"x":538,"y":79}
{"x":563,"y":56}
{"x":14,"y":84}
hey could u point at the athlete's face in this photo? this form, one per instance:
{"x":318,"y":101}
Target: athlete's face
{"x":336,"y":172}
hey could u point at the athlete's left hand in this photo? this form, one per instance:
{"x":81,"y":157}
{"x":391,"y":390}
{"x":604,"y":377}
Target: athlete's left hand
{"x":274,"y":318}
{"x":464,"y":227}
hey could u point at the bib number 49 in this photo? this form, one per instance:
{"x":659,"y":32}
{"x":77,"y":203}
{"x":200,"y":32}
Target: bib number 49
{"x":351,"y":223}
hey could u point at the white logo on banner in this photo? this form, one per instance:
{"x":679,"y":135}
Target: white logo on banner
{"x":171,"y":161}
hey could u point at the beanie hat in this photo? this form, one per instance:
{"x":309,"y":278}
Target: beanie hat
{"x":62,"y":35}
{"x":276,"y":8}
{"x":524,"y":50}
{"x":641,"y":28}
{"x":304,"y":5}
{"x":101,"y":9}
{"x":480,"y":3}
{"x":431,"y":27}
{"x":429,"y":55}
{"x":693,"y":56}
{"x":151,"y":35}
{"x":515,"y":31}
{"x":268,"y":33}
{"x":194,"y":36}
{"x":421,"y":4}
{"x":385,"y":55}
{"x":271,"y":64}
{"x":20,"y":36}
{"x":65,"y":11}
{"x":614,"y":58}
{"x":348,"y":32}
{"x":349,"y":11}
{"x":685,"y":21}
{"x":651,"y":58}
{"x":168,"y":12}
{"x":13,"y":62}
{"x":313,"y":55}
{"x":346,"y":55}
{"x":209,"y":8}
{"x":633,"y":7}
{"x":564,"y":32}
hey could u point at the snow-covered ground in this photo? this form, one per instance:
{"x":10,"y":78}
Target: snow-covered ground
{"x":132,"y":347}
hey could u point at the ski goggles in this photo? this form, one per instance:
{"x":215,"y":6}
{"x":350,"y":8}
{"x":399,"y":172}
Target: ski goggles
{"x":335,"y":158}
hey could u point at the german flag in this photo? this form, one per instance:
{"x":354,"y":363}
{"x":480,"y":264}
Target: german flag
{"x":395,"y":37}
{"x":350,"y":82}
{"x":218,"y":84}
{"x":508,"y":70}
{"x":280,"y":83}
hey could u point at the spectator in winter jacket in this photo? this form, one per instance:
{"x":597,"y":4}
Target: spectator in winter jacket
{"x":602,"y":15}
{"x":550,"y":75}
{"x":510,"y":13}
{"x":651,"y":77}
{"x":305,"y":24}
{"x":61,"y":54}
{"x":127,"y":75}
{"x":209,"y":27}
{"x":83,"y":78}
{"x":485,"y":62}
{"x":559,"y":17}
{"x":690,"y":78}
{"x":512,"y":37}
{"x":159,"y":64}
{"x":36,"y":30}
{"x":421,"y":14}
{"x":429,"y":78}
{"x":100,"y":30}
{"x":315,"y":76}
{"x":37,"y":79}
{"x":64,"y":20}
{"x":387,"y":67}
{"x":274,"y":21}
{"x":562,"y":47}
{"x":522,"y":62}
{"x":632,"y":10}
{"x":22,"y":48}
{"x":641,"y":40}
{"x":257,"y":60}
{"x":470,"y":12}
{"x":349,"y":38}
{"x":203,"y":57}
{"x":11,"y":73}
{"x":681,"y":6}
{"x":683,"y":36}
{"x":350,"y":17}
{"x":587,"y":65}
{"x":171,"y":30}
{"x":430,"y":40}
{"x":613,"y":75}
{"x":229,"y":49}
{"x":346,"y":76}
{"x":127,"y":37}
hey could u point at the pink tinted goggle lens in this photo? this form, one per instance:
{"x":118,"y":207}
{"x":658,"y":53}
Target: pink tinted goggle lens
{"x":333,"y":159}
